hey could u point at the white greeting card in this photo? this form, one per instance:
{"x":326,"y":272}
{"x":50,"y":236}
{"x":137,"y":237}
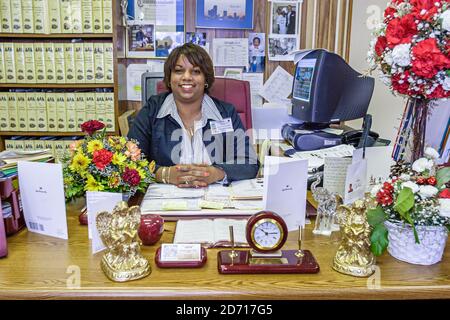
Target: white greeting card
{"x":97,"y":202}
{"x":42,"y":194}
{"x":355,"y":182}
{"x":285,"y":183}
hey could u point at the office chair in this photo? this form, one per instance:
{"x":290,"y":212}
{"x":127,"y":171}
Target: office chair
{"x":236,"y":92}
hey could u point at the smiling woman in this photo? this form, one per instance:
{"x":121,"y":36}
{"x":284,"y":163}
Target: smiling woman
{"x":195,"y":139}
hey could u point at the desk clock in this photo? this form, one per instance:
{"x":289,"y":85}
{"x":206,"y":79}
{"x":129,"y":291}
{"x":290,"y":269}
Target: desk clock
{"x":266,"y":234}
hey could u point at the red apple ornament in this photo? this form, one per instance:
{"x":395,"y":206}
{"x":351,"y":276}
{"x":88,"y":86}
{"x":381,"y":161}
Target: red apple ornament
{"x":151,"y":228}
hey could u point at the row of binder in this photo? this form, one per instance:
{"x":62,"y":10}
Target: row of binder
{"x":56,"y":16}
{"x":56,"y":62}
{"x":55,"y":112}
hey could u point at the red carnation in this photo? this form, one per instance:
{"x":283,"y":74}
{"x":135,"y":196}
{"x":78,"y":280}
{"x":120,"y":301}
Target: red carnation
{"x":131,"y":176}
{"x":401,"y":30}
{"x":102,"y":158}
{"x":400,"y":82}
{"x":380,"y":45}
{"x":428,"y":59}
{"x":438,"y":93}
{"x":445,"y":194}
{"x":389,"y":13}
{"x":91,"y":126}
{"x":428,"y":6}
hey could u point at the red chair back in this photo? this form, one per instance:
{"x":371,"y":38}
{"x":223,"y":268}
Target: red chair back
{"x":236,"y":92}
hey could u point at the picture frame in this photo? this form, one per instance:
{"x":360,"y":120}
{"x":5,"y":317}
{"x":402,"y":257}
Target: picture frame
{"x":154,"y":29}
{"x":284,"y":18}
{"x":211,"y":13}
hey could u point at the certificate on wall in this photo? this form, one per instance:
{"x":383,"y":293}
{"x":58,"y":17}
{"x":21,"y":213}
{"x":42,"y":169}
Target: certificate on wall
{"x":230,"y":52}
{"x":155,"y":27}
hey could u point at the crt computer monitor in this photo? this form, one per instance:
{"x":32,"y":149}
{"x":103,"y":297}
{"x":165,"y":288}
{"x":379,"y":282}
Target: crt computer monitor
{"x":149,"y":82}
{"x":327,"y":90}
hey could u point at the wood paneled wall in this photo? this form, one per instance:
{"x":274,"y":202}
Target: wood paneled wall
{"x":324,"y":24}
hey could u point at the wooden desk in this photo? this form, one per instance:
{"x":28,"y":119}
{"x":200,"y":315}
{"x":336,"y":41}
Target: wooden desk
{"x":37,"y":266}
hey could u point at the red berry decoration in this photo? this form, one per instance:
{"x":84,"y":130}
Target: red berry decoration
{"x":420,"y":180}
{"x":432,"y":181}
{"x":388,"y":187}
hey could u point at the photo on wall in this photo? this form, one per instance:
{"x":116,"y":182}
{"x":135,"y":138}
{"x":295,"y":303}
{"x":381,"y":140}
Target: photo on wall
{"x":282,"y":47}
{"x":229,"y":14}
{"x":256,"y":52}
{"x":141,"y":40}
{"x":166,"y":42}
{"x":198,"y":38}
{"x":283,"y":18}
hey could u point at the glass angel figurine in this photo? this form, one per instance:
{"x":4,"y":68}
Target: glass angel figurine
{"x":326,"y":209}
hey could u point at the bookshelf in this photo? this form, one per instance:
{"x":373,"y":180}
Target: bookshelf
{"x":109,"y":86}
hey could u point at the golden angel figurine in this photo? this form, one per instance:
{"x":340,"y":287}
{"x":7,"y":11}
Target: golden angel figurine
{"x":354,"y":256}
{"x":119,"y":232}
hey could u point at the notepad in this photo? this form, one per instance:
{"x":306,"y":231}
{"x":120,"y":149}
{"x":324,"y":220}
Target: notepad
{"x":211,"y":232}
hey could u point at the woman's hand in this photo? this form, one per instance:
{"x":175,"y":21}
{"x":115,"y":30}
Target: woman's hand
{"x":195,"y":176}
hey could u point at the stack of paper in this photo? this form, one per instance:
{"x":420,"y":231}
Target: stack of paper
{"x":9,"y":160}
{"x":316,"y":158}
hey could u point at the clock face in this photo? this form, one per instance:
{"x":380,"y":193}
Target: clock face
{"x":266,"y":232}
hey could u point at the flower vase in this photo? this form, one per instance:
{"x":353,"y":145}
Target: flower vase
{"x":402,"y":244}
{"x":412,"y":134}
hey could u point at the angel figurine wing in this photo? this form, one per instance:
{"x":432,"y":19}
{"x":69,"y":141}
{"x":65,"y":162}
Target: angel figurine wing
{"x":103,"y":222}
{"x":135,"y":215}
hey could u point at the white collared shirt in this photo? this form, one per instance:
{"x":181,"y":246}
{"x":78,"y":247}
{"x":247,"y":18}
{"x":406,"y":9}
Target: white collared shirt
{"x":193,"y":151}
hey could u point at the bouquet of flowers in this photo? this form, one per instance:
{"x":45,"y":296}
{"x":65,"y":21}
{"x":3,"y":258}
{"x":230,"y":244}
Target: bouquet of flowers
{"x":105,"y":163}
{"x":417,"y":194}
{"x":411,"y":48}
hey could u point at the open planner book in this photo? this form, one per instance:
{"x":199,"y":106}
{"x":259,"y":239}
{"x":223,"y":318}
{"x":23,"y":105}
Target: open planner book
{"x":211,"y":232}
{"x":242,"y":198}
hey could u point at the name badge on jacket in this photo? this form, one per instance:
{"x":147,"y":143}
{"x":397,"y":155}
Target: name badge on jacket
{"x":221,"y":126}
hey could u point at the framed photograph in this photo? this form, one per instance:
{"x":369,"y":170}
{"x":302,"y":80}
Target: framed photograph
{"x":198,"y":38}
{"x":229,"y":14}
{"x":256,"y":52}
{"x":283,"y":18}
{"x":166,"y":42}
{"x":141,"y":41}
{"x":282,"y":47}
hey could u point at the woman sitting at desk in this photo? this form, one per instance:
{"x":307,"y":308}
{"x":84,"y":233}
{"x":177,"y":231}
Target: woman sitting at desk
{"x":194,"y":139}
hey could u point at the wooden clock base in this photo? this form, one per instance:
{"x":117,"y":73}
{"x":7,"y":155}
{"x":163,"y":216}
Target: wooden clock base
{"x":244,"y":263}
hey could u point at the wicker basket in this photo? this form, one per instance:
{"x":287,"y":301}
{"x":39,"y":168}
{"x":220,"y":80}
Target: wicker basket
{"x":402,"y":245}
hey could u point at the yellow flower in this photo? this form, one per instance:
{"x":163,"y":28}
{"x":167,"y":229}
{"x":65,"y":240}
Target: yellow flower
{"x":94,"y":145}
{"x":141,"y":172}
{"x":118,"y":159}
{"x":114,"y":180}
{"x":93,"y":185}
{"x":152,"y":166}
{"x":79,"y":162}
{"x":117,"y":142}
{"x":143,"y":163}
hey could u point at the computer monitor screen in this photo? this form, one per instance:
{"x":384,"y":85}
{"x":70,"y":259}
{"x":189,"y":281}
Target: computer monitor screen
{"x":149,"y":83}
{"x":303,"y":79}
{"x":326,"y":89}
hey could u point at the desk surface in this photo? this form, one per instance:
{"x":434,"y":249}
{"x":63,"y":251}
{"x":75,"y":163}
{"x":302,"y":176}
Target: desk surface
{"x":40,"y":267}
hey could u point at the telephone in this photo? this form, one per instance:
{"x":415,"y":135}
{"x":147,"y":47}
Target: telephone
{"x":353,"y":137}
